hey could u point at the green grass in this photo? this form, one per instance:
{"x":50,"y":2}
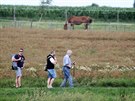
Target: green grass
{"x":107,"y":82}
{"x":68,"y":94}
{"x":80,"y":82}
{"x":86,"y":89}
{"x":12,"y":94}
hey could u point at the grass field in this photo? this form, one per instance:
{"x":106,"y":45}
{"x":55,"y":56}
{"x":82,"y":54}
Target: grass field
{"x":98,"y":50}
{"x":104,"y":71}
{"x":66,"y":94}
{"x":34,"y":89}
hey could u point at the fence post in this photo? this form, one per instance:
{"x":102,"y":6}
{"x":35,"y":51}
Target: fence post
{"x":118,"y":16}
{"x":66,"y":15}
{"x":14,"y":16}
{"x":109,"y":27}
{"x":15,"y":23}
{"x":31,"y":24}
{"x":124,"y":28}
{"x":117,"y":27}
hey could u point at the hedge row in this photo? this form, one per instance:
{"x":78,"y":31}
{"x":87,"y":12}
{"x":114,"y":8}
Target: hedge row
{"x":60,"y":13}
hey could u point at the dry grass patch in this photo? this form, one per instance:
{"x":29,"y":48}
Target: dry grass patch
{"x":89,"y":47}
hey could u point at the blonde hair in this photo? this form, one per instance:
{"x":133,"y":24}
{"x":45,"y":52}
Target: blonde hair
{"x":52,"y":51}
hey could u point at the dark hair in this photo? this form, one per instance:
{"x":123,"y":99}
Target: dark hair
{"x":21,"y":50}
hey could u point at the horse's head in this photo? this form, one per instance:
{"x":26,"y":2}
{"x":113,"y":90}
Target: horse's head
{"x":65,"y":26}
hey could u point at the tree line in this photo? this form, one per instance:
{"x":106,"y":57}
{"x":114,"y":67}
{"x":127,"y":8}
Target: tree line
{"x":60,"y":13}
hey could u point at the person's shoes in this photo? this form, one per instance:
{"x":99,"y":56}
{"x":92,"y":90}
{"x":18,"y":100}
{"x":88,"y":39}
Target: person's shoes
{"x":49,"y":87}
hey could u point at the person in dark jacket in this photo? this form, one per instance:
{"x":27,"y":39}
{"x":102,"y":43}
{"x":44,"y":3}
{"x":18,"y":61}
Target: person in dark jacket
{"x":19,"y":59}
{"x":51,"y":61}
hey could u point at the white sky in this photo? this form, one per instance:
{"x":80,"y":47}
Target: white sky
{"x":112,"y":3}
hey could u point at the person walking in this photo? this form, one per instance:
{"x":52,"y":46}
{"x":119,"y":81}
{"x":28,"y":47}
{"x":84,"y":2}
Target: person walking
{"x":51,"y":61}
{"x":67,"y":65}
{"x":19,"y":59}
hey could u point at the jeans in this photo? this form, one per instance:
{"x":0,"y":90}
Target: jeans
{"x":67,"y":77}
{"x":18,"y":72}
{"x":51,"y":73}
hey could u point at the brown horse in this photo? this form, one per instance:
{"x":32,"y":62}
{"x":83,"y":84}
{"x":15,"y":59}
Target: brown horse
{"x":77,"y":20}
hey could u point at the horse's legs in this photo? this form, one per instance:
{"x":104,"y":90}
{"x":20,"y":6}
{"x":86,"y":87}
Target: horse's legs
{"x":72,"y":26}
{"x":86,"y":26}
{"x":65,"y":26}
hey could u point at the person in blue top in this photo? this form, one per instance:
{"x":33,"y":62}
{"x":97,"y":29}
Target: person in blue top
{"x":67,"y":65}
{"x":19,"y":59}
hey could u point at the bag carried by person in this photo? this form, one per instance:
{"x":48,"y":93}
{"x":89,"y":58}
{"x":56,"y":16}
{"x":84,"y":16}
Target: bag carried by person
{"x":14,"y":64}
{"x":45,"y":67}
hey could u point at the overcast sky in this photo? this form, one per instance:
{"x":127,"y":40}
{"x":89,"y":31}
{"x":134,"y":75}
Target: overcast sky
{"x":112,"y":3}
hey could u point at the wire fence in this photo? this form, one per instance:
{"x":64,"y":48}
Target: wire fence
{"x":121,"y":27}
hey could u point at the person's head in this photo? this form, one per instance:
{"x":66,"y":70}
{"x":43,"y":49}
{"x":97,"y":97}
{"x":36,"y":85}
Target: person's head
{"x":21,"y":51}
{"x":69,"y":52}
{"x":52,"y":53}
